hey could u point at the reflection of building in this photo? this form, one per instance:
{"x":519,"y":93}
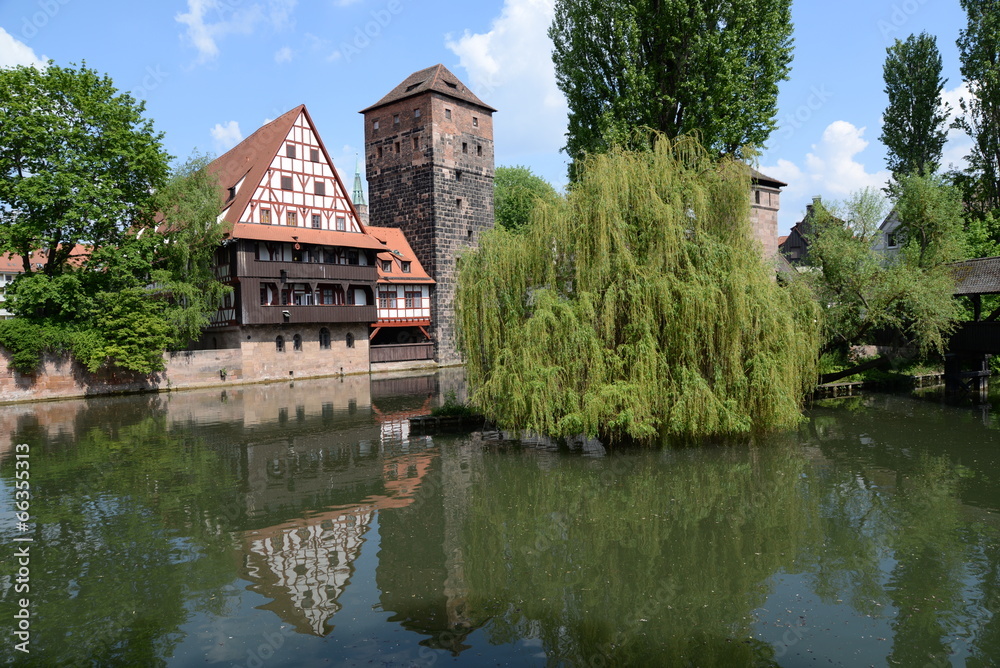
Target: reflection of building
{"x":305,"y":565}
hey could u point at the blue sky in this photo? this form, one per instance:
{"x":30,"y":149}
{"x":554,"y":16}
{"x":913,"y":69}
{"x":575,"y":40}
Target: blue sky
{"x":213,"y":71}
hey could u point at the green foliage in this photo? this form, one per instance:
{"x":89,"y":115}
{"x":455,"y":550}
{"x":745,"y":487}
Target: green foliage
{"x":978,"y":46}
{"x":675,"y":67}
{"x":641,"y":309}
{"x":914,"y":124}
{"x":862,"y":292}
{"x":452,"y":407}
{"x":516,"y":190}
{"x":78,"y":163}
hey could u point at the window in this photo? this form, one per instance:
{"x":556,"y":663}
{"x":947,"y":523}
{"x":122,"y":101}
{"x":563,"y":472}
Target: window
{"x":458,"y":174}
{"x":286,"y":183}
{"x":324,"y":339}
{"x":416,"y":113}
{"x":416,"y":143}
{"x":447,"y":114}
{"x":756,"y":196}
{"x":395,"y":119}
{"x":350,"y":340}
{"x":292,"y":219}
{"x":279,"y":344}
{"x":465,"y":147}
{"x":475,"y":122}
{"x":316,"y":223}
{"x":331,"y":295}
{"x":289,"y":150}
{"x":387,"y":299}
{"x":352,"y":256}
{"x":341,"y":223}
{"x":378,"y":151}
{"x":413,"y":300}
{"x":375,"y":125}
{"x":468,"y":234}
{"x":297,"y":342}
{"x":386,"y":265}
{"x":405,"y":266}
{"x":320,"y":188}
{"x":458,"y":203}
{"x":314,"y":155}
{"x":890,"y":240}
{"x":265,"y":216}
{"x":397,"y":147}
{"x":479,"y":150}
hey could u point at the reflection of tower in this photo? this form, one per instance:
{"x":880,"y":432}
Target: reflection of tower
{"x":421,"y":571}
{"x":429,"y":161}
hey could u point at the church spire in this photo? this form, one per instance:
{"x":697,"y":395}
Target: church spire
{"x":359,"y":193}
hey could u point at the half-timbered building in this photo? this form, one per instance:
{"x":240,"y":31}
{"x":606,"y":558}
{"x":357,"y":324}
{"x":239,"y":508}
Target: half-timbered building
{"x":303,"y":267}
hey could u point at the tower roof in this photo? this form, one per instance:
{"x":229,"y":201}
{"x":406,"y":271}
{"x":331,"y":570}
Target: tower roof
{"x":435,"y":79}
{"x":358,"y":196}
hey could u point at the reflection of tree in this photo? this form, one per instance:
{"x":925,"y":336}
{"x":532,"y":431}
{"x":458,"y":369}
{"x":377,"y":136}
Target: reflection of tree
{"x":123,"y":550}
{"x":897,"y":514}
{"x":633,"y":561}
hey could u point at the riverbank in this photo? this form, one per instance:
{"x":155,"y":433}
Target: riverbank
{"x":61,"y":377}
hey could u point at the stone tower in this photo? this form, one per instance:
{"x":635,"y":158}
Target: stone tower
{"x":429,"y":163}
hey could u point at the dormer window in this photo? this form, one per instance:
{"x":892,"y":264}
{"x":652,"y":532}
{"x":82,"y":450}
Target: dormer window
{"x":405,"y":266}
{"x":386,"y":265}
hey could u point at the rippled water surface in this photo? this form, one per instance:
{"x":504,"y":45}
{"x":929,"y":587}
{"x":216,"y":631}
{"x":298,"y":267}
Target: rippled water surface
{"x":304,"y":525}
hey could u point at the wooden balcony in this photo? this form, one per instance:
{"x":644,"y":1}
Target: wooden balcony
{"x":255,"y":314}
{"x":304,"y":272}
{"x":406,"y":352}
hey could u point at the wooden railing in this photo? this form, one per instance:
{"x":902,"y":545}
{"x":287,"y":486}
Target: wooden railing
{"x":406,"y":352}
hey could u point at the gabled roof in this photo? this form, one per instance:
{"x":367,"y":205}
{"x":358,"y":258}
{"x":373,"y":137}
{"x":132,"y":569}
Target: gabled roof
{"x":249,"y":161}
{"x":396,"y":248}
{"x":12,"y":264}
{"x":435,"y":79}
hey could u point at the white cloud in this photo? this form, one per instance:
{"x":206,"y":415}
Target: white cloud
{"x":208,"y":21}
{"x":283,"y":55}
{"x":226,"y":136}
{"x":510,"y":68}
{"x":830,"y":170}
{"x":14,"y":52}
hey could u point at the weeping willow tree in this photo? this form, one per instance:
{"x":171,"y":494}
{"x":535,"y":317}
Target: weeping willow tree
{"x":639,"y":310}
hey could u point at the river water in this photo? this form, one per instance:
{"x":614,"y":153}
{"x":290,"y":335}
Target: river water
{"x":304,"y":525}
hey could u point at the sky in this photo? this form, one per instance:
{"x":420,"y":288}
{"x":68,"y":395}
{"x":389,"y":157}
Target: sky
{"x":213,"y":71}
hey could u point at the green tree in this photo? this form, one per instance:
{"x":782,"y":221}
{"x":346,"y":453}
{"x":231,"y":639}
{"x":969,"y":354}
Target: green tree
{"x":189,"y":205}
{"x":915,"y":121}
{"x":675,"y":67}
{"x":978,"y":47}
{"x":641,"y":309}
{"x":516,"y":191}
{"x":78,"y":164}
{"x":862,"y":293}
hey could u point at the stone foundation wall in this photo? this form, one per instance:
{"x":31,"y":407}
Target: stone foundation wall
{"x":253,"y":357}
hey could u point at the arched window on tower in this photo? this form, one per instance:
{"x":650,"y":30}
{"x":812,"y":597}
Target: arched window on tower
{"x":297,"y":342}
{"x":350,"y":340}
{"x":279,"y":344}
{"x":324,"y":338}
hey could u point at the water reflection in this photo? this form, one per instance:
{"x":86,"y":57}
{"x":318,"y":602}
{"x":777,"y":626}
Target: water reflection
{"x":300,"y":524}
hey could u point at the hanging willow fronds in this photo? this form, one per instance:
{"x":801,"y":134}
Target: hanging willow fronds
{"x":641,"y":308}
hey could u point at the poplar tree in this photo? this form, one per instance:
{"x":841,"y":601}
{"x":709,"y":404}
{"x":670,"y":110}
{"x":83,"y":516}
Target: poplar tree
{"x":642,"y":309}
{"x":915,"y":121}
{"x":979,"y":54}
{"x":676,"y":66}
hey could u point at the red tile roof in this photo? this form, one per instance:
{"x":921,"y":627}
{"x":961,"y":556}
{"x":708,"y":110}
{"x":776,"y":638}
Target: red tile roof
{"x":13,"y":264}
{"x":306,"y":235}
{"x":398,"y":249}
{"x":437,"y":79}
